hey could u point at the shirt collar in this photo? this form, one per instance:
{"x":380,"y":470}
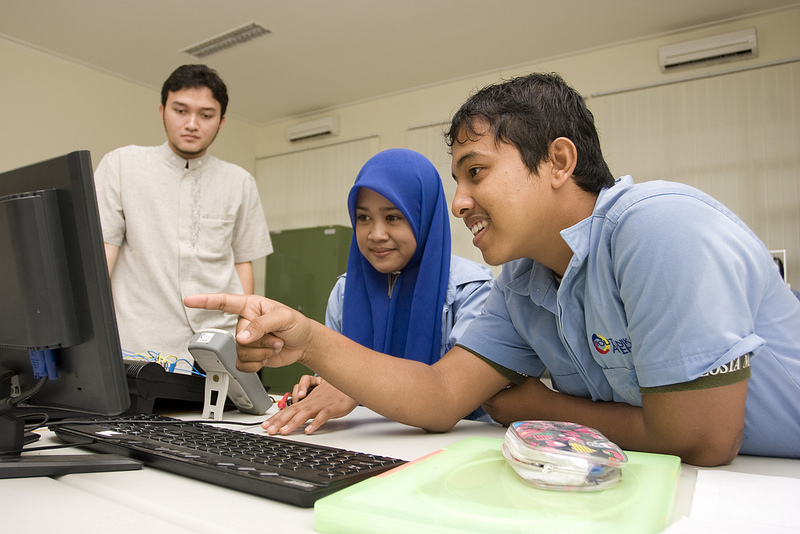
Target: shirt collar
{"x":529,"y":278}
{"x":578,"y":237}
{"x":181,"y":163}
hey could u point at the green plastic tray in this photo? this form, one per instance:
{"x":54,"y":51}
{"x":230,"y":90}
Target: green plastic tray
{"x":468,"y":487}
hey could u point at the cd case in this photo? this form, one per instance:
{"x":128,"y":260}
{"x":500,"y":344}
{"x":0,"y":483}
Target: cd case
{"x":563,"y":456}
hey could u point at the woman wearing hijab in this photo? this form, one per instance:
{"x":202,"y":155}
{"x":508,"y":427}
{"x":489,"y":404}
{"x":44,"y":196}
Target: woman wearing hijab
{"x":404,"y":294}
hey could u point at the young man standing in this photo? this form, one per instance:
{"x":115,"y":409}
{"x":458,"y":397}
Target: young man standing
{"x":660,"y":316}
{"x":177,"y":221}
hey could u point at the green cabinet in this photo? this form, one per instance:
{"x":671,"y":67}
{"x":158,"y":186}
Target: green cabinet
{"x":301,"y":272}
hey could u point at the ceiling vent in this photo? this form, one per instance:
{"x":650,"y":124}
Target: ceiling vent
{"x":312,"y":129}
{"x":234,"y":37}
{"x":717,"y":49}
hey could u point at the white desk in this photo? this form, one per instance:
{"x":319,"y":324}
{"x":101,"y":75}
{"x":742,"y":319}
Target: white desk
{"x":149,"y":500}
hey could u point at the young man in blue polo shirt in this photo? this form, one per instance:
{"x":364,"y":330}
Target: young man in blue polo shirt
{"x":660,"y":316}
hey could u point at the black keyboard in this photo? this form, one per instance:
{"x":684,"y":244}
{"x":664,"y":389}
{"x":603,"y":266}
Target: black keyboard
{"x":275,"y":468}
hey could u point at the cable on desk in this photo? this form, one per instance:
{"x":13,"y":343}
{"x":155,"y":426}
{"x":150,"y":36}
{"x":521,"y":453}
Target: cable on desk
{"x":168,"y":362}
{"x":45,"y":448}
{"x":8,"y":403}
{"x":134,"y":420}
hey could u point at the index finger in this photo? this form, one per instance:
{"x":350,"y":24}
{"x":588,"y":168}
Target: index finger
{"x":227,"y":302}
{"x":250,"y":307}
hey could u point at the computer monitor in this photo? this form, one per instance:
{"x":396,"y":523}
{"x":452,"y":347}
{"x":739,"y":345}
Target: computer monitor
{"x":56,"y":311}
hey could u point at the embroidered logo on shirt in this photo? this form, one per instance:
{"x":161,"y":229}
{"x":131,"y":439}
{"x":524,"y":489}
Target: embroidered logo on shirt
{"x":604,"y":345}
{"x":601,"y":344}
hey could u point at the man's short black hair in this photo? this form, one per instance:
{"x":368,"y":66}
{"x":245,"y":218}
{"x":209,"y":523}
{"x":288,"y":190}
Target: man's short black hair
{"x":530,"y":112}
{"x":193,"y":77}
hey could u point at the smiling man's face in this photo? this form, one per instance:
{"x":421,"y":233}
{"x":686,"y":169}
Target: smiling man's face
{"x":507,"y":208}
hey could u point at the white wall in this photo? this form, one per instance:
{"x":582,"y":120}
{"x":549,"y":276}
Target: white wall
{"x":613,"y":68}
{"x":50,"y":106}
{"x":396,"y":119}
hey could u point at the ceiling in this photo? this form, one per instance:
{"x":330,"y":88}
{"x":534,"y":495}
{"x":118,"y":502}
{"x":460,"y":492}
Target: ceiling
{"x":326,"y":53}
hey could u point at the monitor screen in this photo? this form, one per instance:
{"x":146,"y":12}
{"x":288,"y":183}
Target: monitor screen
{"x":57,"y":320}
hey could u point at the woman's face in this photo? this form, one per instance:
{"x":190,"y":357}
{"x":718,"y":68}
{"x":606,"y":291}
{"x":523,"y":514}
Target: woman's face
{"x":383,"y":234}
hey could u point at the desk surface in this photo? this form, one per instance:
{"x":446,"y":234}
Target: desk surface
{"x":155,"y":501}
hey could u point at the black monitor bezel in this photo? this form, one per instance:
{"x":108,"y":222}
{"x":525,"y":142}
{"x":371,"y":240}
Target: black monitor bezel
{"x":92,"y":376}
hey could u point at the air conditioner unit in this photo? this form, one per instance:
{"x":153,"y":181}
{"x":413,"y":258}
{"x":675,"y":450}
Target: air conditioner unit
{"x":717,"y":49}
{"x":315,"y":128}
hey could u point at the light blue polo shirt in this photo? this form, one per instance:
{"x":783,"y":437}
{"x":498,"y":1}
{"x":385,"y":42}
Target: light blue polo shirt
{"x":665,"y":284}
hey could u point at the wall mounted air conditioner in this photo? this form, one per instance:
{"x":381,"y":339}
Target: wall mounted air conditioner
{"x":311,"y":129}
{"x":716,"y":49}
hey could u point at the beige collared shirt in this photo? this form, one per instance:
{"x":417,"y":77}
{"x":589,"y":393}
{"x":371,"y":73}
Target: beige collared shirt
{"x":181,"y":226}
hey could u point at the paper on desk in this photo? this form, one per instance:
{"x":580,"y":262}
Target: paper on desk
{"x":699,"y":526}
{"x":744,"y":499}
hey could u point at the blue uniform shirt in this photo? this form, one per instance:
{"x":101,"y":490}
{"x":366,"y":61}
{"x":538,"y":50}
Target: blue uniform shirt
{"x":665,"y":284}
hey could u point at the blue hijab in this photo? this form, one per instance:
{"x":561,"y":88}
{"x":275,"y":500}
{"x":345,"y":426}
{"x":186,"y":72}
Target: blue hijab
{"x":409,"y":324}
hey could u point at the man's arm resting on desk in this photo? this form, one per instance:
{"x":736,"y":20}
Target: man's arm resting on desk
{"x":702,"y":426}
